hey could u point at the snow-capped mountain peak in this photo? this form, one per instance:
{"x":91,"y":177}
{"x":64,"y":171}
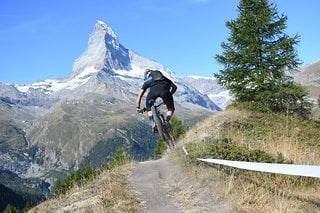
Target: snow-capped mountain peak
{"x":106,"y":61}
{"x":104,"y":52}
{"x":101,"y":26}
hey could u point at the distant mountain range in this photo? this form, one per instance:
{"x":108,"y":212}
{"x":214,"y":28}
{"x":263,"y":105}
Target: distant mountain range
{"x":50,"y":127}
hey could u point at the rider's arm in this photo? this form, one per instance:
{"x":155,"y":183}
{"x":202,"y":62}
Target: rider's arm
{"x":141,"y":93}
{"x":145,"y":86}
{"x":173,"y":88}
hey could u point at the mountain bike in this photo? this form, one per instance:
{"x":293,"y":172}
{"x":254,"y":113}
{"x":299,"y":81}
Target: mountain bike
{"x":163,"y":126}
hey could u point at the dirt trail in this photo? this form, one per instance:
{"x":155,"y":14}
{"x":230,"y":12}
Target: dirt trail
{"x":162,"y":189}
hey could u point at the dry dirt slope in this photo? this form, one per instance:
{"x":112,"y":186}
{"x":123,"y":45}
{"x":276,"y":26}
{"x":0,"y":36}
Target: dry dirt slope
{"x":164,"y":189}
{"x":151,"y":186}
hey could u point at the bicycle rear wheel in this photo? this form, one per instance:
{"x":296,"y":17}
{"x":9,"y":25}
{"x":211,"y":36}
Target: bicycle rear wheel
{"x":158,"y":122}
{"x":169,"y":138}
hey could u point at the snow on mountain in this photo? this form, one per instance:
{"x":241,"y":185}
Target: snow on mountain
{"x":7,"y":90}
{"x":141,"y":62}
{"x":49,"y":86}
{"x":104,"y":52}
{"x":136,"y":72}
{"x":105,"y":60}
{"x":210,"y":87}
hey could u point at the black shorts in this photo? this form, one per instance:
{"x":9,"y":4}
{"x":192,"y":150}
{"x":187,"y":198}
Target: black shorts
{"x":162,"y":91}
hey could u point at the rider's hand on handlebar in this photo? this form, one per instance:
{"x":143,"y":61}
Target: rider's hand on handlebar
{"x":141,"y":110}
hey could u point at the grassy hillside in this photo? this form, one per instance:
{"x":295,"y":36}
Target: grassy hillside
{"x":248,"y":136}
{"x":233,"y":134}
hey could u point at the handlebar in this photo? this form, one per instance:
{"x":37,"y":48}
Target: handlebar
{"x":142,"y":110}
{"x":152,"y":103}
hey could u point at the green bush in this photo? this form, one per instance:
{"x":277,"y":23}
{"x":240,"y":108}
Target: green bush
{"x":223,"y":149}
{"x":161,"y":147}
{"x":10,"y":209}
{"x":78,"y":178}
{"x":119,"y":157}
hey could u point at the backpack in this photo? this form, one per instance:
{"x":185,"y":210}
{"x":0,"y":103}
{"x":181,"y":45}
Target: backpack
{"x":157,"y":75}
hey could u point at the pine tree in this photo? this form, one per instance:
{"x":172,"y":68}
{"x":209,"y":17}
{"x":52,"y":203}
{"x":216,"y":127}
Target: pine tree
{"x":257,"y":53}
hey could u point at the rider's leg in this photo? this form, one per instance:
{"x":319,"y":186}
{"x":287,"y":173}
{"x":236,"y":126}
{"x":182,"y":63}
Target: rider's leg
{"x":151,"y":119}
{"x":149,"y":102}
{"x":152,"y":122}
{"x":168,"y":100}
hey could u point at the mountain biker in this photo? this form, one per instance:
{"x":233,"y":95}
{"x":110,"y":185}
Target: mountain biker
{"x":160,"y":86}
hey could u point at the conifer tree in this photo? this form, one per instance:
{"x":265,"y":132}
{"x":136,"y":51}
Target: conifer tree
{"x":257,"y":54}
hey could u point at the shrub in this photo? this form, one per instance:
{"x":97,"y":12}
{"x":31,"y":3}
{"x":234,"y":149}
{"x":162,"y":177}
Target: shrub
{"x":10,"y":209}
{"x":161,"y":147}
{"x":79,"y":177}
{"x":119,"y":157}
{"x":223,"y":149}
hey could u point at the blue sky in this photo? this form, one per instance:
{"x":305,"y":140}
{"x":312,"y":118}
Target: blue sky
{"x":40,"y":39}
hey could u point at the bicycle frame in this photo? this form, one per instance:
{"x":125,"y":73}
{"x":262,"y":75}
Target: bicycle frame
{"x":164,"y":128}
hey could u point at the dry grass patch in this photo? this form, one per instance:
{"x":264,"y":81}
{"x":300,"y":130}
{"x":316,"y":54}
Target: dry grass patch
{"x":296,"y":140}
{"x":187,"y":192}
{"x":247,"y":192}
{"x":108,"y":192}
{"x":118,"y":195}
{"x":212,"y":126}
{"x":286,"y":139}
